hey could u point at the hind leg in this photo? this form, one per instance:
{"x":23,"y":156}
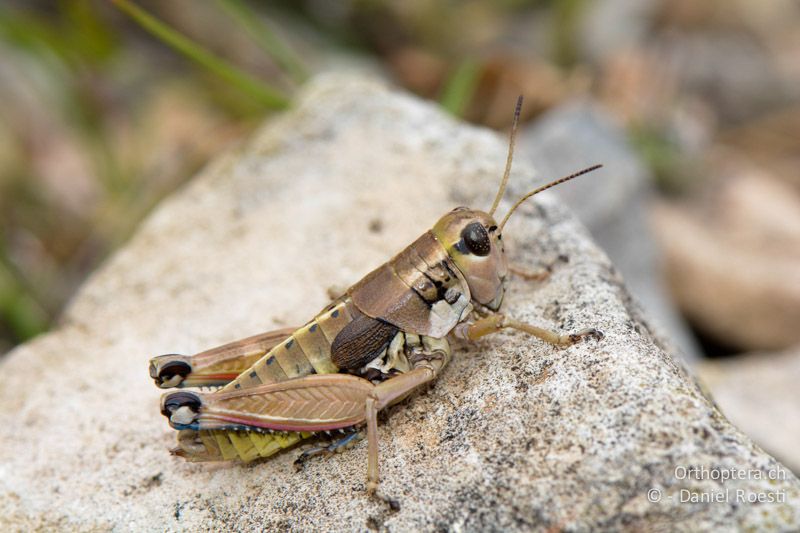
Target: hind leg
{"x":215,"y":367}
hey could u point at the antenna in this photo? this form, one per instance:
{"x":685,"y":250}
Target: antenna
{"x":511,"y":142}
{"x":544,"y":188}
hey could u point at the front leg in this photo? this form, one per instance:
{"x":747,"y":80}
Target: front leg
{"x":494,"y":323}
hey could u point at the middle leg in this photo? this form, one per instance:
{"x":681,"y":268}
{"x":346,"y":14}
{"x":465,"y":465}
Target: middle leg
{"x":330,"y":448}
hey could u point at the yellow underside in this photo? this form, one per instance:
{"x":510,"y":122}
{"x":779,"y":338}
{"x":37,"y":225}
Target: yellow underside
{"x":248,"y":445}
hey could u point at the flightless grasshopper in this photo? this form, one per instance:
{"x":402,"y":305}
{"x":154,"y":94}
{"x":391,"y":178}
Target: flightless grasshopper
{"x":370,"y":348}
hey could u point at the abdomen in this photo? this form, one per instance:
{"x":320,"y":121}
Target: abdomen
{"x":306,"y":351}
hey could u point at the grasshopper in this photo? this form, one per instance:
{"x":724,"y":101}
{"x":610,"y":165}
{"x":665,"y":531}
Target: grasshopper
{"x":370,"y":348}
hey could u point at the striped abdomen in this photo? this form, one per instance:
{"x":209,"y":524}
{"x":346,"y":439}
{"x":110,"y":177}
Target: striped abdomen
{"x":306,"y":351}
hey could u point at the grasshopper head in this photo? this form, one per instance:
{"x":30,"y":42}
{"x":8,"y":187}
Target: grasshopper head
{"x":473,"y":241}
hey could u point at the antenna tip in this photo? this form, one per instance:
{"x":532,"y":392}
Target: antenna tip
{"x":585,"y":171}
{"x":518,"y":109}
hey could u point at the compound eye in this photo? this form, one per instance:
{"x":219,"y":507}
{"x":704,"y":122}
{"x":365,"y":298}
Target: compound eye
{"x":476,"y":239}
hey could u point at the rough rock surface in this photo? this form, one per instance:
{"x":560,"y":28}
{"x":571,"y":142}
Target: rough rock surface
{"x":516,"y":435}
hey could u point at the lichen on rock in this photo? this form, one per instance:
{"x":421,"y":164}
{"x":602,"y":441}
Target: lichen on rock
{"x":515,"y":435}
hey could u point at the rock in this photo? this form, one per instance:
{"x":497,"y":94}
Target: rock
{"x":759,"y":393}
{"x":612,"y":203}
{"x":741,"y":66}
{"x":600,"y":35}
{"x":733,"y":260}
{"x":732,"y":71}
{"x":516,"y":435}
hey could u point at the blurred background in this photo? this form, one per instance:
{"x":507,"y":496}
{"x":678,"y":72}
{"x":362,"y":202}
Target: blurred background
{"x":108,"y":106}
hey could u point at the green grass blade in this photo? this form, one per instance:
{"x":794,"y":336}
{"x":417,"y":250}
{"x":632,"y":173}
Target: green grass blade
{"x":268,"y":96}
{"x":266,"y":38}
{"x":460,"y":87}
{"x":22,"y":314}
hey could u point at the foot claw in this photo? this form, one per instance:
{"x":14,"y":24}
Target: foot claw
{"x":587,"y":333}
{"x":327,"y":449}
{"x":300,"y":462}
